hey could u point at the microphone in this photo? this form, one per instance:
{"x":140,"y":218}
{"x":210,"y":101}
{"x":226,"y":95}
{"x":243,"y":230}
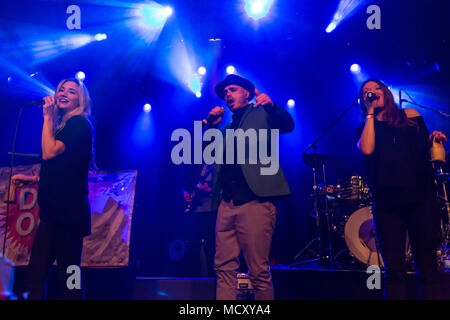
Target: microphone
{"x":371,"y":97}
{"x":211,"y":118}
{"x":38,"y":103}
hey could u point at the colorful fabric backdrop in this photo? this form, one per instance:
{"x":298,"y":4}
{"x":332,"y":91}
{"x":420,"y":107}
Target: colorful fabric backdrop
{"x":111,"y":195}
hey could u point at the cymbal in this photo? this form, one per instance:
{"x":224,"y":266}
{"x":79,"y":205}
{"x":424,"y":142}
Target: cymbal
{"x":317,"y":159}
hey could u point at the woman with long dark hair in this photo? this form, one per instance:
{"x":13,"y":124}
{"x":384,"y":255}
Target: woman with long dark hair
{"x":396,"y":146}
{"x":64,"y":209}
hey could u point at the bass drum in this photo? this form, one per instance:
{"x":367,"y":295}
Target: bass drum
{"x":360,"y":237}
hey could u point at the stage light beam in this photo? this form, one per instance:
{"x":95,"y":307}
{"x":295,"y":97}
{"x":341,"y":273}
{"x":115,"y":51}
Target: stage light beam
{"x":346,"y":8}
{"x":331,"y":27}
{"x":155,"y":15}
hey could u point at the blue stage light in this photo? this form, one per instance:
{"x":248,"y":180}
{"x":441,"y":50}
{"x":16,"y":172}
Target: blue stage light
{"x":291,"y":103}
{"x":155,"y":15}
{"x":231,"y":70}
{"x":167,"y":11}
{"x":100,"y":36}
{"x":331,"y":27}
{"x":257,"y":9}
{"x":345,"y":9}
{"x":198,"y":94}
{"x":355,"y":68}
{"x":80,"y":75}
{"x":201,"y":71}
{"x":147,"y":107}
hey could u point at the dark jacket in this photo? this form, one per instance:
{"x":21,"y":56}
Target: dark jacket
{"x":262,"y":185}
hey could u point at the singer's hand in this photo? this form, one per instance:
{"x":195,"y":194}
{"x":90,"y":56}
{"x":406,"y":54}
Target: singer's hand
{"x":217,"y":112}
{"x":20,"y":179}
{"x":371,"y":105}
{"x":49,"y":108}
{"x":438,"y":136}
{"x":262,"y":99}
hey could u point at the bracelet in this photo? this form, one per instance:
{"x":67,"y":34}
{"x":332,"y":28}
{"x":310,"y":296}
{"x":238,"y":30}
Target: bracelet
{"x":370,"y":116}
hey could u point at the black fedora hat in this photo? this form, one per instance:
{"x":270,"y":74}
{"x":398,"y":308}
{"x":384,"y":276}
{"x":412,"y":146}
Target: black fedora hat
{"x":236,"y":80}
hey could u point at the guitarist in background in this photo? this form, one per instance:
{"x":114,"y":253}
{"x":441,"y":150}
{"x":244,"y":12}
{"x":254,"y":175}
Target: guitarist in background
{"x":200,"y":219}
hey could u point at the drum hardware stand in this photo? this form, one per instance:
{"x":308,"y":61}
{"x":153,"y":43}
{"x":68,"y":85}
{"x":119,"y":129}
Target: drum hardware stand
{"x":317,"y":218}
{"x":323,"y":258}
{"x":445,"y":226}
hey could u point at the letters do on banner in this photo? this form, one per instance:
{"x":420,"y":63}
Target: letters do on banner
{"x":111,"y":197}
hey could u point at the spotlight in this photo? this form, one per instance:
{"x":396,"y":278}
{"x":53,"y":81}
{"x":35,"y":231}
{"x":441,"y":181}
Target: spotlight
{"x":257,"y":9}
{"x":331,"y":27}
{"x":167,"y":11}
{"x":10,"y":79}
{"x":345,"y":9}
{"x":80,"y":75}
{"x":201,"y":71}
{"x":147,"y":107}
{"x":291,"y":103}
{"x":100,"y":36}
{"x":155,"y":15}
{"x":231,"y":70}
{"x":198,"y":94}
{"x":355,"y":68}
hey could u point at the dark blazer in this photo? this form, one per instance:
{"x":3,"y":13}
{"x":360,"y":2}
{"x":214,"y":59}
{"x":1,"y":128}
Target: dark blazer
{"x":261,"y":185}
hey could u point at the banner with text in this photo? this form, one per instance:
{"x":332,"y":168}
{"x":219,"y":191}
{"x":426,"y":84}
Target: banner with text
{"x":111,"y":196}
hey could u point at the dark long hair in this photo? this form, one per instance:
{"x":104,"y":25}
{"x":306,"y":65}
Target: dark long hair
{"x":393,"y":116}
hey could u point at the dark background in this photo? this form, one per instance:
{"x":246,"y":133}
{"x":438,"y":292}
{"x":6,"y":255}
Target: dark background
{"x":287,"y":55}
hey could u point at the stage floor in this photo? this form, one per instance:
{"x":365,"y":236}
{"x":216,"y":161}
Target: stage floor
{"x":290,"y":283}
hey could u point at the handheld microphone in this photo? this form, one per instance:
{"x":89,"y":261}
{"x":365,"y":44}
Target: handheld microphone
{"x":38,"y":103}
{"x":371,"y":97}
{"x":211,"y":118}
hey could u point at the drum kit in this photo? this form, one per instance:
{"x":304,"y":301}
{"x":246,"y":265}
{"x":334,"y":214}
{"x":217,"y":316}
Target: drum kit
{"x":341,"y":212}
{"x":345,"y":231}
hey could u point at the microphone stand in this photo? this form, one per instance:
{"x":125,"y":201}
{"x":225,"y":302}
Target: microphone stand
{"x":327,"y":258}
{"x":12,"y":154}
{"x":446,"y":115}
{"x":441,"y":179}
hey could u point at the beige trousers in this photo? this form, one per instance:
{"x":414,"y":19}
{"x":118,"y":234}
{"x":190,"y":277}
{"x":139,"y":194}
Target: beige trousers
{"x":247,"y":228}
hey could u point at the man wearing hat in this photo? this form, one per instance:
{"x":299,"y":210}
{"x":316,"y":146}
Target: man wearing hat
{"x":246,"y":215}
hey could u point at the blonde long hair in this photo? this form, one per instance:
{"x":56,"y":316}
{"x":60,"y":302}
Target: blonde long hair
{"x":84,"y":109}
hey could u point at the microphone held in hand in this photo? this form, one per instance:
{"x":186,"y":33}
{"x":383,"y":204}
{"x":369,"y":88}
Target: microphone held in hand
{"x":38,"y":103}
{"x":211,"y":118}
{"x":371,"y":97}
